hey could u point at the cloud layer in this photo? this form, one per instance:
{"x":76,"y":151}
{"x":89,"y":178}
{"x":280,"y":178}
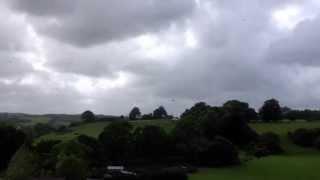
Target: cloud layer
{"x":107,"y":56}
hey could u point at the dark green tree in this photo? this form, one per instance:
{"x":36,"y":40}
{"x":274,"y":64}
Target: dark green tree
{"x":252,"y":115}
{"x":220,"y":152}
{"x":88,"y":116}
{"x":117,"y":140}
{"x":195,"y":111}
{"x":152,"y":142}
{"x":94,"y":150}
{"x":271,"y":111}
{"x":134,"y":113}
{"x":160,"y":112}
{"x":236,"y":106}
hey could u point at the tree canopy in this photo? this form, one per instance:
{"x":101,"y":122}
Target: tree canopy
{"x":134,"y":113}
{"x":271,"y":111}
{"x":160,"y":112}
{"x":88,"y":116}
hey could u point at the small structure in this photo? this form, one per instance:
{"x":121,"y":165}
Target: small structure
{"x":118,"y":171}
{"x":115,"y":168}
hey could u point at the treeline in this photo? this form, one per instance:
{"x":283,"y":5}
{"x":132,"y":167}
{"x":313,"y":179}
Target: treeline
{"x":205,"y":136}
{"x":270,"y":111}
{"x":158,"y":113}
{"x":308,"y":115}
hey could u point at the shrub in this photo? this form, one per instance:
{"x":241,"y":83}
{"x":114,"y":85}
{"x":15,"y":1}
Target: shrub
{"x":268,"y":144}
{"x":316,"y":143}
{"x":72,"y":168}
{"x":47,"y":158}
{"x":221,"y":152}
{"x":303,"y":137}
{"x":22,"y":166}
{"x":11,"y":140}
{"x":45,"y":146}
{"x":152,"y":142}
{"x":117,"y":138}
{"x":164,"y":175}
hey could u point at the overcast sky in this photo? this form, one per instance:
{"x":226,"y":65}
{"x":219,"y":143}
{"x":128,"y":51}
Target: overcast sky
{"x":60,"y":56}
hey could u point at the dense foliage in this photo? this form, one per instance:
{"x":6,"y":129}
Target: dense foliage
{"x":271,"y":111}
{"x":204,"y":136}
{"x":88,"y":116}
{"x":160,"y":112}
{"x":305,"y":137}
{"x":10,"y":141}
{"x":134,"y":113}
{"x":268,"y":144}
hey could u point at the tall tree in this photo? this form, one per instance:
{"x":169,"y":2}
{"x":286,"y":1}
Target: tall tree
{"x":134,"y":113}
{"x":116,"y":138}
{"x":271,"y":111}
{"x":88,"y":116}
{"x":195,"y":111}
{"x":160,"y":112}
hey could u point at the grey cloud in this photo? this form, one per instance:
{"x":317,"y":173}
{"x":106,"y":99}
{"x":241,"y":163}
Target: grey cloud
{"x":43,"y":8}
{"x":31,"y":99}
{"x":13,"y":67}
{"x":93,"y":39}
{"x":96,"y":22}
{"x":301,"y":47}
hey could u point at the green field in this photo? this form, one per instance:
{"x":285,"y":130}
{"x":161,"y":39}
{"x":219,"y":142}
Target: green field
{"x":298,"y":167}
{"x":297,"y":163}
{"x":37,"y":119}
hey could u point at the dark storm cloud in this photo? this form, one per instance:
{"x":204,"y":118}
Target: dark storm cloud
{"x":85,"y":23}
{"x":43,"y":8}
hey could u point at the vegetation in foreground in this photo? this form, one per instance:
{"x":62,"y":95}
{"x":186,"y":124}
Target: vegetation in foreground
{"x":205,"y":137}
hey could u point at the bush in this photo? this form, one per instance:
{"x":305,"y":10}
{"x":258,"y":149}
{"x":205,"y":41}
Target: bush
{"x":11,"y":140}
{"x":72,"y":168}
{"x":45,"y":146}
{"x":316,"y":143}
{"x":268,"y":144}
{"x":221,"y":152}
{"x":22,"y":166}
{"x":164,"y":175}
{"x":303,"y":137}
{"x":152,"y":142}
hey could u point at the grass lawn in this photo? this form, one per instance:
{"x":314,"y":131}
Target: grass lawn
{"x":297,"y":164}
{"x":295,"y":167}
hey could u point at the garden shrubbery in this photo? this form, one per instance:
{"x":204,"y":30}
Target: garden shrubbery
{"x":306,"y":137}
{"x":268,"y":144}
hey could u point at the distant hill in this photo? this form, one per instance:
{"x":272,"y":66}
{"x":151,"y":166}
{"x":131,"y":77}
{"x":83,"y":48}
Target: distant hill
{"x":54,"y":119}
